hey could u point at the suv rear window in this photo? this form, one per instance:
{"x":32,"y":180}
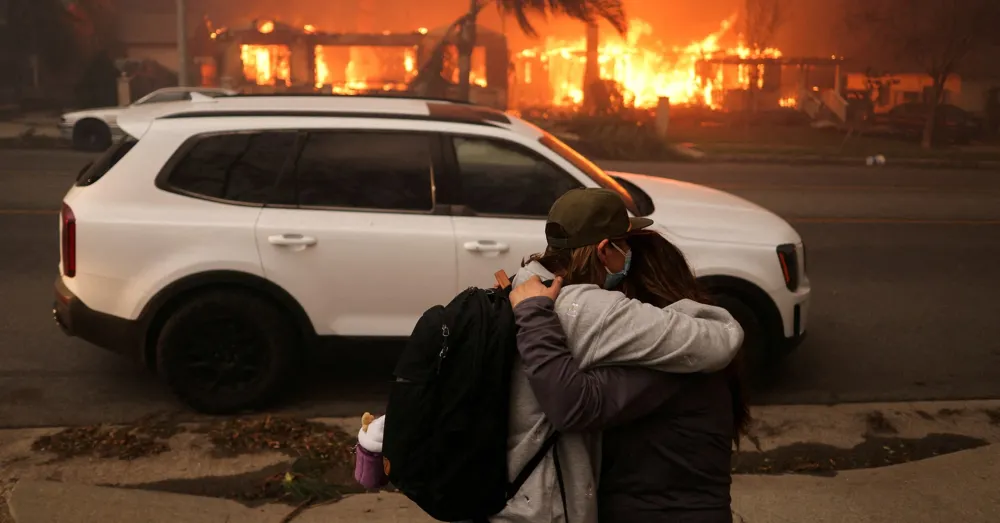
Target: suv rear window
{"x":98,"y":168}
{"x":238,"y":167}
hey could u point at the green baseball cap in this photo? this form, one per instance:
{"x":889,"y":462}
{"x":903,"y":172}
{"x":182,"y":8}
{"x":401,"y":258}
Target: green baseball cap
{"x":588,"y":216}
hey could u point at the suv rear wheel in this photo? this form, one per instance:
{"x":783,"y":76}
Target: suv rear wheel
{"x":226,"y":351}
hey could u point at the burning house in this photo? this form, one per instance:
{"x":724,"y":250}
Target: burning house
{"x":270,"y":56}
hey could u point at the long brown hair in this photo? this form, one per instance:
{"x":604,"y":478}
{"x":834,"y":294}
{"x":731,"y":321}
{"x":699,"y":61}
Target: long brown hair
{"x":576,"y":266}
{"x":660,"y":275}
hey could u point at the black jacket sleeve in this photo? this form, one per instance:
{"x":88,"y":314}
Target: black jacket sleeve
{"x":582,"y":400}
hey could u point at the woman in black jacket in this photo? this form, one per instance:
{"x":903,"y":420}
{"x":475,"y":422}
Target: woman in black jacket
{"x":669,"y":461}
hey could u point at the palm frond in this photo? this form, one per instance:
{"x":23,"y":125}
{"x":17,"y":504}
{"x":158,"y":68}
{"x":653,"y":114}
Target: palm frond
{"x":590,"y":11}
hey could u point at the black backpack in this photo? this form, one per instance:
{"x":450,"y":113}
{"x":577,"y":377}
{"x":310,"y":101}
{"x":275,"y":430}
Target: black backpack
{"x":446,"y":424}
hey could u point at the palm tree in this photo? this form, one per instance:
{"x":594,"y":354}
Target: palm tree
{"x":588,"y":11}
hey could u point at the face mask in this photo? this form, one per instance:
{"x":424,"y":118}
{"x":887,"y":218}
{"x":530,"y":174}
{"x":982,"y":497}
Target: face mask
{"x":615,"y":279}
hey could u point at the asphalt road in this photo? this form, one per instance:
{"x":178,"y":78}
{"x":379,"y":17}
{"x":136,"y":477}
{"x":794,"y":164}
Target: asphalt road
{"x":904,"y":266}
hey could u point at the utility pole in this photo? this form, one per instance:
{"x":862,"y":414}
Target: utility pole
{"x":182,"y":52}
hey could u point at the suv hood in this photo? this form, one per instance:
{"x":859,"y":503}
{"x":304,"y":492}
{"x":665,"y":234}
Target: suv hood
{"x":99,"y":112}
{"x":701,"y":213}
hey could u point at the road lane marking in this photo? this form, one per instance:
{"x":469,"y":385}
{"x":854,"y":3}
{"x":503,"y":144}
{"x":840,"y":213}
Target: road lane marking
{"x":890,"y":221}
{"x":723,"y":186}
{"x":15,"y":212}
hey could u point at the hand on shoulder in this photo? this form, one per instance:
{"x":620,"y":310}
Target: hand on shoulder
{"x":534,"y":288}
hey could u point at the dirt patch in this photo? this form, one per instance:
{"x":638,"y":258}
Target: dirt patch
{"x":875,"y":451}
{"x":877,"y":423}
{"x":950,"y":412}
{"x":146,"y":437}
{"x":994,"y":415}
{"x":925,"y":415}
{"x":321,"y":468}
{"x":295,"y":437}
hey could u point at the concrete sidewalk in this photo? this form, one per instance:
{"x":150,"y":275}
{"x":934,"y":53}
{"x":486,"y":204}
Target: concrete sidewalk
{"x":957,"y":487}
{"x":42,"y":127}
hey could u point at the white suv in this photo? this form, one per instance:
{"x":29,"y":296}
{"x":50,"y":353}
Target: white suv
{"x":223,"y":237}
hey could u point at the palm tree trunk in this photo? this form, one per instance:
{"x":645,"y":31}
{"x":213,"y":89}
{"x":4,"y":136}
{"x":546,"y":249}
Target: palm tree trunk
{"x":592,"y":72}
{"x":466,"y":45}
{"x":927,"y":140}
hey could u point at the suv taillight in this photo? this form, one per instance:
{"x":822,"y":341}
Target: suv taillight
{"x":68,"y":241}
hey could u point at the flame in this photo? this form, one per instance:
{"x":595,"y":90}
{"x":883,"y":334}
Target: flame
{"x":645,"y":69}
{"x":322,"y":69}
{"x":266,"y":64}
{"x":790,"y":101}
{"x":266,"y":27}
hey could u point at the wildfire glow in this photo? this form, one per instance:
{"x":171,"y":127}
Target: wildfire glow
{"x":644,"y":68}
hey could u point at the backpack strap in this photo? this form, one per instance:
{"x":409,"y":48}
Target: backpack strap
{"x":562,"y":486}
{"x":530,"y":466}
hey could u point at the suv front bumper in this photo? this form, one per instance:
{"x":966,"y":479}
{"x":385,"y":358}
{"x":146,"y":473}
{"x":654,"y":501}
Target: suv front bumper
{"x":104,"y":330}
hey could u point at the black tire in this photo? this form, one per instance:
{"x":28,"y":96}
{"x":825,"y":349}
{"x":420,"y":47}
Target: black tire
{"x":91,"y":135}
{"x":756,"y":360}
{"x":226,"y":351}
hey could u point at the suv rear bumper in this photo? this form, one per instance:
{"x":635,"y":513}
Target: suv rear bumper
{"x":104,"y":330}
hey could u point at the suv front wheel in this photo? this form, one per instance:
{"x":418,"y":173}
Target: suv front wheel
{"x":226,"y":351}
{"x":757,"y":365}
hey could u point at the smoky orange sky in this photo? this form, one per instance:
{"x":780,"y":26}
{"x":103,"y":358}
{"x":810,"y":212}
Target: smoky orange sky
{"x":809,"y":30}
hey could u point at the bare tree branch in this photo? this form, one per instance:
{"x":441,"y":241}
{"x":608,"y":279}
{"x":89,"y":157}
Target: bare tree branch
{"x":936,"y":36}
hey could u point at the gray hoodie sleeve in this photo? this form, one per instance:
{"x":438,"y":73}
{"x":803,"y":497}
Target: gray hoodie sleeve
{"x":611,"y":329}
{"x":577,"y":400}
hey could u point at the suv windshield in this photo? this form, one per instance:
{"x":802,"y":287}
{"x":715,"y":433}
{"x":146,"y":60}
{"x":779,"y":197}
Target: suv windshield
{"x":592,"y":171}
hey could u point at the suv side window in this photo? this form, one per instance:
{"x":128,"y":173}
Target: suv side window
{"x":366,"y":170}
{"x":503,"y":178}
{"x":240,"y":167}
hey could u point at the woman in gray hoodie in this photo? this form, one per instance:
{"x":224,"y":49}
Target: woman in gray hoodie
{"x":587,"y":248}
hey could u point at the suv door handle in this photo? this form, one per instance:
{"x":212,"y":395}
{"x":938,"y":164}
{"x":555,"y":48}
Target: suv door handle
{"x":486,"y":246}
{"x":291,"y":240}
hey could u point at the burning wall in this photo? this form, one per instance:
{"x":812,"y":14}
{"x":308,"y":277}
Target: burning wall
{"x":278,"y":56}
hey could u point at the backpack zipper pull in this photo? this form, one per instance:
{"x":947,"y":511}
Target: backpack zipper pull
{"x":444,"y":347}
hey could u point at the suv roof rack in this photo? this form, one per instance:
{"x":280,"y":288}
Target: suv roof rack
{"x":367,"y":95}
